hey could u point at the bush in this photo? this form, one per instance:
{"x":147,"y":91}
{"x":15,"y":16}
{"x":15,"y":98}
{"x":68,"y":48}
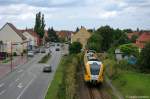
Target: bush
{"x":94,"y":42}
{"x":45,"y":59}
{"x":14,"y":54}
{"x":68,"y":85}
{"x":144,"y":59}
{"x":75,"y":47}
{"x":129,"y":49}
{"x":24,"y":51}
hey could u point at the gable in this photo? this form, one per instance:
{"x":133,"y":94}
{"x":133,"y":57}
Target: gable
{"x":28,"y":35}
{"x":83,"y":33}
{"x":8,"y":34}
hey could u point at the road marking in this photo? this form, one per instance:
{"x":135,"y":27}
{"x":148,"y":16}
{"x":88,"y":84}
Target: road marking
{"x":26,"y":88}
{"x":2,"y":84}
{"x":2,"y":92}
{"x":20,"y":85}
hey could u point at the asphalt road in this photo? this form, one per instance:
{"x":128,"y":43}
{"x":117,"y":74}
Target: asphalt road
{"x":28,"y":81}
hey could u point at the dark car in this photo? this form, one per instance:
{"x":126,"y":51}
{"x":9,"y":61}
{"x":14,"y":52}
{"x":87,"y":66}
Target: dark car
{"x":58,"y":44}
{"x":43,"y":50}
{"x":37,"y":50}
{"x":57,"y":49}
{"x":47,"y":69}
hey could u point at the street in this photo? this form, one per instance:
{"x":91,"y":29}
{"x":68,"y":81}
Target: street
{"x":28,"y":81}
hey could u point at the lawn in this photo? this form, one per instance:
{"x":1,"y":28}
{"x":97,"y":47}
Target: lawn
{"x":133,"y":83}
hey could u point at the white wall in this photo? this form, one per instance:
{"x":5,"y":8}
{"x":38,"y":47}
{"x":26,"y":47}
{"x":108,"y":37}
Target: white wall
{"x":30,"y":38}
{"x":7,"y":34}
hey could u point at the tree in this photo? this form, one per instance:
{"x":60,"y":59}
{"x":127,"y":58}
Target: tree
{"x":94,"y":42}
{"x":42,"y":26}
{"x":129,"y":49}
{"x":133,"y":38}
{"x":75,"y":47}
{"x":39,"y":25}
{"x":52,"y":35}
{"x":106,"y":33}
{"x":128,"y":30}
{"x":119,"y":38}
{"x":77,"y":29}
{"x":144,"y":59}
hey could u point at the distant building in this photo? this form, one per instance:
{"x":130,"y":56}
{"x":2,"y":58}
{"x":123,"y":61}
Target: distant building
{"x":133,"y":33}
{"x":63,"y":34}
{"x":81,"y":36}
{"x":143,"y":39}
{"x":32,"y":37}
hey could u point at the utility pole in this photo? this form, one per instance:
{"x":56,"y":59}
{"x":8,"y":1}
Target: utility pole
{"x":11,"y":57}
{"x":27,"y":51}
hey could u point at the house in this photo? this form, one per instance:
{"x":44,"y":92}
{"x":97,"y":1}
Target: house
{"x":133,"y":33}
{"x":143,"y":39}
{"x":14,"y":39}
{"x":65,"y":35}
{"x":81,"y":36}
{"x":32,"y":38}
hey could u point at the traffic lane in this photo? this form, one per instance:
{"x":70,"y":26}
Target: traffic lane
{"x":38,"y":88}
{"x":14,"y":76}
{"x":5,"y":82}
{"x":18,"y":86}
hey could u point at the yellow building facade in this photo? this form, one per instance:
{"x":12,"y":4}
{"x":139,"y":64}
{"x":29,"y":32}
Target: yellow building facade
{"x":81,"y":36}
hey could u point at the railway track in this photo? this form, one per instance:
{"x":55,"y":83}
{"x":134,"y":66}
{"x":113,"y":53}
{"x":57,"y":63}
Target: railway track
{"x":95,"y":93}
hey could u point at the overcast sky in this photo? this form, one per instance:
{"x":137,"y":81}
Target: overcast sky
{"x":68,"y":14}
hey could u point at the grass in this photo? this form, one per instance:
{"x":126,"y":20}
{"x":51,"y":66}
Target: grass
{"x":53,"y":88}
{"x":133,"y":83}
{"x":45,"y":59}
{"x":127,"y":79}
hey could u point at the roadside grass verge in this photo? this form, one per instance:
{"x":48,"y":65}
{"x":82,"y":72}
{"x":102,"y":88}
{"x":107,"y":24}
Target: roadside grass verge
{"x":45,"y":59}
{"x":57,"y":80}
{"x":127,"y":79}
{"x":64,"y":83}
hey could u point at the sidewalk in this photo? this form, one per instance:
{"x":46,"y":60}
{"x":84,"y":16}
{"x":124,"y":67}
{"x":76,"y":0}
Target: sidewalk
{"x":5,"y":68}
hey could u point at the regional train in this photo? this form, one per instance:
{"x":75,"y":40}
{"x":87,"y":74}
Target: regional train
{"x":93,"y":68}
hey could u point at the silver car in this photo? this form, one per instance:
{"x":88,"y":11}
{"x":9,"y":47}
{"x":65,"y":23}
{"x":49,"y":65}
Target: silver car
{"x":30,"y":53}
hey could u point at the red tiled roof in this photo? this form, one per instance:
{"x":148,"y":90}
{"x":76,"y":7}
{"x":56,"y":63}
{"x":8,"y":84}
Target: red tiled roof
{"x":17,"y":31}
{"x":144,"y":37}
{"x":64,"y":33}
{"x":133,"y":33}
{"x":31,"y":31}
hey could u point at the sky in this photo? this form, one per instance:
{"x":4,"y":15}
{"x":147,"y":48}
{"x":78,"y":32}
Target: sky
{"x":69,"y":14}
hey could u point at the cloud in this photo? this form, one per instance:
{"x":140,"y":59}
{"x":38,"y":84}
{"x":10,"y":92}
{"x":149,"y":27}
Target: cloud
{"x":70,"y":13}
{"x":41,"y":3}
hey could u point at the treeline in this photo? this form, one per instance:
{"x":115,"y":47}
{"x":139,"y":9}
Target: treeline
{"x":105,"y":38}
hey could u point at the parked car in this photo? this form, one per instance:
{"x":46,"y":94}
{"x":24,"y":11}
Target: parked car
{"x":37,"y":50}
{"x":30,"y":53}
{"x":43,"y":50}
{"x":57,"y":49}
{"x":47,"y":68}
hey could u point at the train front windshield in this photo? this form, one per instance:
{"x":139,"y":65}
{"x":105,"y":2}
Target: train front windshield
{"x":94,"y":68}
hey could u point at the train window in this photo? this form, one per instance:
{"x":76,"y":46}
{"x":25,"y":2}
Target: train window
{"x":93,"y":60}
{"x":94,"y":68}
